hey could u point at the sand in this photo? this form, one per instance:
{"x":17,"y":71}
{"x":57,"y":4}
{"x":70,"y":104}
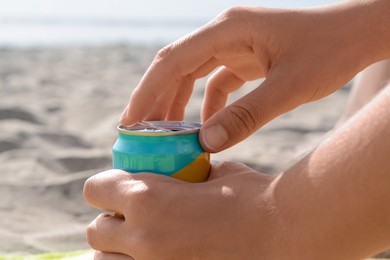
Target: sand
{"x":58,"y":111}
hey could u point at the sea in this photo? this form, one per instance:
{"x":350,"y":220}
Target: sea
{"x":26,"y":23}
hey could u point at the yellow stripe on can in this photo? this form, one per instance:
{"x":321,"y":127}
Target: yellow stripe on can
{"x":196,"y":171}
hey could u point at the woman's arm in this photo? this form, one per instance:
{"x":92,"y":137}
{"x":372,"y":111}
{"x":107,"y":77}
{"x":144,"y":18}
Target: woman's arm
{"x":335,"y":202}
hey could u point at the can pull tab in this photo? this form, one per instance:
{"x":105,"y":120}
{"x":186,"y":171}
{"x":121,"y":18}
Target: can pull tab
{"x":161,"y":127}
{"x":151,"y":126}
{"x":143,"y":126}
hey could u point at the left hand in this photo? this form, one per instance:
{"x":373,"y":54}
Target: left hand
{"x":165,"y":218}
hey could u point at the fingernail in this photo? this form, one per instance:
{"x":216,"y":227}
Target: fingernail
{"x":123,"y":115}
{"x":214,"y":137}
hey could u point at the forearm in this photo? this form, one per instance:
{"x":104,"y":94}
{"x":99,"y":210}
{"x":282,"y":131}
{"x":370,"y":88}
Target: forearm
{"x":362,"y":28}
{"x":385,"y":26}
{"x":372,"y":19}
{"x":334,"y":203}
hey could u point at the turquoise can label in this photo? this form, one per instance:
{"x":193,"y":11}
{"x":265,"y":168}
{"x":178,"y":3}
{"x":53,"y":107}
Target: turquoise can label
{"x":175,"y":153}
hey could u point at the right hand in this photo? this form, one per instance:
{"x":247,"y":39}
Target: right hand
{"x":304,"y":55}
{"x":166,"y":218}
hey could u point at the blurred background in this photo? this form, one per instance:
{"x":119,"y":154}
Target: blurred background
{"x":46,"y":22}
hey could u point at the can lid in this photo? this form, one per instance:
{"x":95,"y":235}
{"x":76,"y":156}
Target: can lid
{"x":160,"y":128}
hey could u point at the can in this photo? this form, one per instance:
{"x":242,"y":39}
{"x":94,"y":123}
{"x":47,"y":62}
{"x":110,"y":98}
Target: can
{"x":169,"y":148}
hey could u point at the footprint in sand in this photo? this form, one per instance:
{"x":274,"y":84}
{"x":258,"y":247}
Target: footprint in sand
{"x":75,"y":163}
{"x":6,"y":145}
{"x":19,"y":114}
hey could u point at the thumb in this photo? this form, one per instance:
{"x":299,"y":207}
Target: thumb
{"x":242,"y":118}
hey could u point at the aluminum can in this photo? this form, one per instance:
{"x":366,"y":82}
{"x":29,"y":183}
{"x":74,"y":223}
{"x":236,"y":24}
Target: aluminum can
{"x":170,"y":148}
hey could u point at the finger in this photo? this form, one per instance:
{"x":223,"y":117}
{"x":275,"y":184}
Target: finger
{"x":242,"y":118}
{"x":106,"y":233}
{"x":110,"y":256}
{"x":124,"y":112}
{"x":106,"y":190}
{"x":171,"y":105}
{"x":166,"y":71}
{"x":220,"y":84}
{"x":177,"y":108}
{"x":181,"y":58}
{"x":160,"y":108}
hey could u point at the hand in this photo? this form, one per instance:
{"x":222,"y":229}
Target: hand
{"x":165,"y":218}
{"x":329,"y":200}
{"x":303,"y":54}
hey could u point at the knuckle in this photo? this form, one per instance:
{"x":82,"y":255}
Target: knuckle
{"x":164,"y":52}
{"x":89,"y":189}
{"x":166,"y":56}
{"x":140,"y":192}
{"x":99,"y":255}
{"x":244,"y":119}
{"x":233,"y":13}
{"x":214,"y":88}
{"x":90,"y":234}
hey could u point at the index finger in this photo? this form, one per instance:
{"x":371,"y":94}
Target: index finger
{"x":105,"y":190}
{"x":165,"y":74}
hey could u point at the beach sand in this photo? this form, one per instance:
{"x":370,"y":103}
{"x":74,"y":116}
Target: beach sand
{"x":59,"y":108}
